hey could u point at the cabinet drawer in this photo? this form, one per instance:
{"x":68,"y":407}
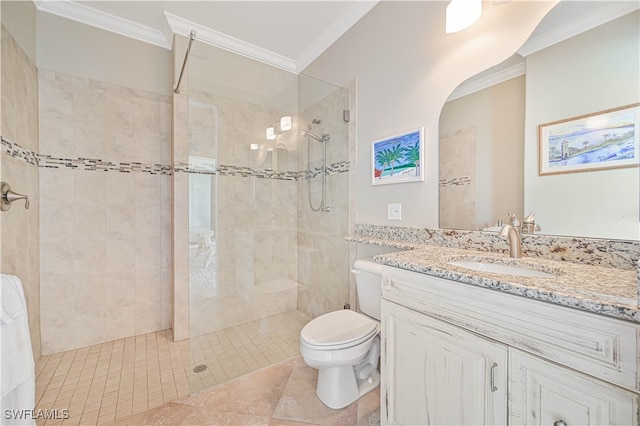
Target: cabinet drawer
{"x":596,"y":345}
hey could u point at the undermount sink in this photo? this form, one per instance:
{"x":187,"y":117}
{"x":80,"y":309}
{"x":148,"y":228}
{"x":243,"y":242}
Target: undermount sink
{"x":522,"y":270}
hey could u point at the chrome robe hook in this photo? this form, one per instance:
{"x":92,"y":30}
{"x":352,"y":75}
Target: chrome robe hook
{"x":8,"y":197}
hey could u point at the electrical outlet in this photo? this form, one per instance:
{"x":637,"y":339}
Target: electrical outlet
{"x":394,"y":211}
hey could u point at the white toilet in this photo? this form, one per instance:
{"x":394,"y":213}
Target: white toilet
{"x":345,"y":345}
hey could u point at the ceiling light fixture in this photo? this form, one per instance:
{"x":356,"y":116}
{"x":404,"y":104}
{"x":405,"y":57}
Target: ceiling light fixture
{"x":461,"y":14}
{"x":285,"y":123}
{"x":271,"y":133}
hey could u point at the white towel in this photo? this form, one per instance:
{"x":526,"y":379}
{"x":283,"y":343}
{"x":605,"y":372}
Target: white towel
{"x":13,"y":302}
{"x":18,"y":367}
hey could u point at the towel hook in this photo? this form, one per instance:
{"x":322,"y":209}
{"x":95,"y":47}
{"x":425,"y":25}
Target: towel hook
{"x":8,"y":197}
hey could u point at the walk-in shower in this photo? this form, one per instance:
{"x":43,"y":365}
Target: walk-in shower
{"x":256,"y":252}
{"x":323,"y":139}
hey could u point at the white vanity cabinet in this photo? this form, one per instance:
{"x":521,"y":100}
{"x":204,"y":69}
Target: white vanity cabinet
{"x":456,"y":353}
{"x":441,"y":373}
{"x":543,"y":393}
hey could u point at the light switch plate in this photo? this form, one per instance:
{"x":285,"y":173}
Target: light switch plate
{"x":394,"y":211}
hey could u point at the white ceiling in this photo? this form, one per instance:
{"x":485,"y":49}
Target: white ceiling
{"x":289,"y":34}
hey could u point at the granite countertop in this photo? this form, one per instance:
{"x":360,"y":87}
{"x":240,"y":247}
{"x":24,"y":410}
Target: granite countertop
{"x":605,"y":291}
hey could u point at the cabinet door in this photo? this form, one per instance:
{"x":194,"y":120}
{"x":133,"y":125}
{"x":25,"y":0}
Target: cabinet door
{"x":542,"y":393}
{"x":436,"y":374}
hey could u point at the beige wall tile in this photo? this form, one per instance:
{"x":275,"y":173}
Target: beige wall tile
{"x":102,"y":229}
{"x":323,"y":255}
{"x":121,"y":236}
{"x":19,"y":227}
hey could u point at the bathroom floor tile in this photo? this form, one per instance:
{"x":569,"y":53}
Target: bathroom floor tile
{"x":293,"y":407}
{"x":256,"y":393}
{"x":282,"y":394}
{"x":148,"y":378}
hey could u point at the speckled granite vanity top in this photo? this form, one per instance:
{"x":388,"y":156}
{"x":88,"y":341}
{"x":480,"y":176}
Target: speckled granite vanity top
{"x":602,"y":290}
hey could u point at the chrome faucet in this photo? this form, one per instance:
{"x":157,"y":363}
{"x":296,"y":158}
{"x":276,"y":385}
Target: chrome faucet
{"x":512,"y":230}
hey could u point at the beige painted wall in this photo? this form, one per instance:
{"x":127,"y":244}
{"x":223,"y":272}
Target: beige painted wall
{"x":216,"y":70}
{"x":19,"y":18}
{"x":72,"y":48}
{"x":594,"y":71}
{"x":406,"y":67}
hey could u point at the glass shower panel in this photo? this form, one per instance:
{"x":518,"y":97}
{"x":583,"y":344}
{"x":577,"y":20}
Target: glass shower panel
{"x":261,"y":262}
{"x":203,"y":154}
{"x":242,"y":216}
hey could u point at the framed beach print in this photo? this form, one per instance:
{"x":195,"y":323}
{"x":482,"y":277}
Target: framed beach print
{"x":398,"y":158}
{"x":602,"y":140}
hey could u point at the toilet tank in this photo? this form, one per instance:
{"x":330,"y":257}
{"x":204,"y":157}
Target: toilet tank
{"x":368,"y":286}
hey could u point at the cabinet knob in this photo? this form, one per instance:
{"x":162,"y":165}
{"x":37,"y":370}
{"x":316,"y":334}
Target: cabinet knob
{"x":559,"y":423}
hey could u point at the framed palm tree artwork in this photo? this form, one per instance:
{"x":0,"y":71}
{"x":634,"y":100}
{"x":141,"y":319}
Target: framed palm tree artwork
{"x":398,"y":158}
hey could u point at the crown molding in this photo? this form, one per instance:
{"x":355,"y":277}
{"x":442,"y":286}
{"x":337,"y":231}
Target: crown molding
{"x":490,"y":80}
{"x":577,"y":26}
{"x":183,"y":27}
{"x":176,"y":25}
{"x":334,"y":32}
{"x":95,"y":18}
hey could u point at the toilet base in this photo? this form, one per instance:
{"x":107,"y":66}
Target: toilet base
{"x":339,"y":387}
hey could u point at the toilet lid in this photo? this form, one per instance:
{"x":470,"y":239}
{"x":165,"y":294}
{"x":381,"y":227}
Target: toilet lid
{"x":336,"y":328}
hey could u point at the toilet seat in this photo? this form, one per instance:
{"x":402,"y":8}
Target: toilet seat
{"x":338,"y":330}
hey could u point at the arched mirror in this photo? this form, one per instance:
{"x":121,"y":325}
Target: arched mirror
{"x":581,"y":60}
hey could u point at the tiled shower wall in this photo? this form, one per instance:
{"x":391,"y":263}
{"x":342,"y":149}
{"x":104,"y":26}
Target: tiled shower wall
{"x":323,"y":252}
{"x":457,"y":165}
{"x":97,"y":261}
{"x":20,"y":233}
{"x":105,"y":211}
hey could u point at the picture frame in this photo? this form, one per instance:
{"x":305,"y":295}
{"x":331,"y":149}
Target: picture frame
{"x":398,"y":158}
{"x":602,"y":140}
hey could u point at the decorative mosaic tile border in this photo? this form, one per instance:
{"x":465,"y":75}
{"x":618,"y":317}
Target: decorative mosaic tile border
{"x":227,"y":170}
{"x":619,"y":254}
{"x":47,"y":161}
{"x":107,"y":166}
{"x":334,"y":168}
{"x":457,"y":181}
{"x":16,"y":151}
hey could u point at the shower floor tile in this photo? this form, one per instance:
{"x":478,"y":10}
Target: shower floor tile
{"x":107,"y":382}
